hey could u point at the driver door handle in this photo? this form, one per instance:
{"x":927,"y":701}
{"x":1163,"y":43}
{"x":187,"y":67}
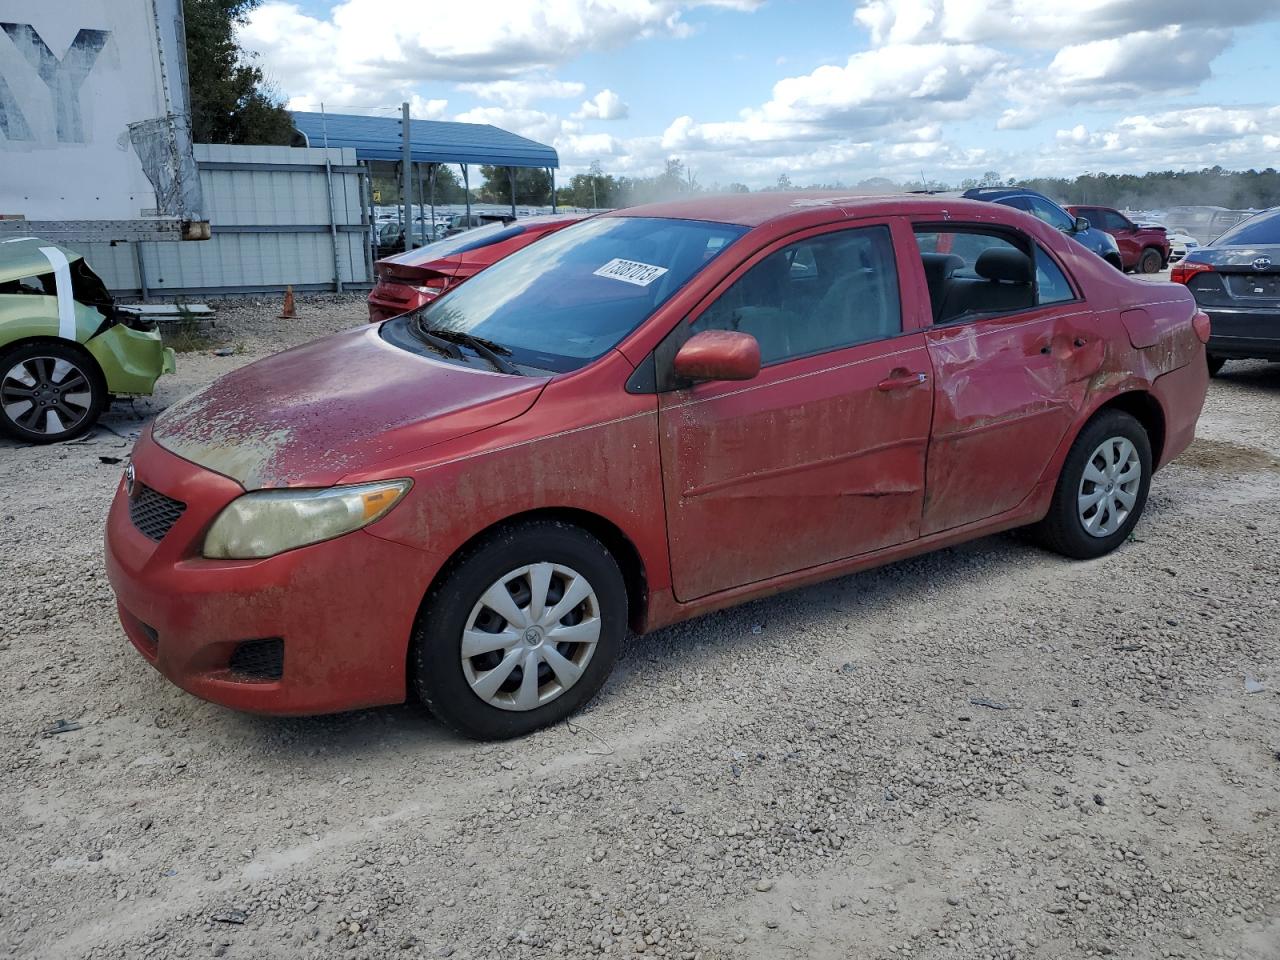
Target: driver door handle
{"x":901,"y":380}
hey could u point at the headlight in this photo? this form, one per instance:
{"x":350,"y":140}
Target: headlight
{"x":267,"y":522}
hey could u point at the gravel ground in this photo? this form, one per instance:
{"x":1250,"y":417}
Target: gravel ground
{"x":988,"y":752}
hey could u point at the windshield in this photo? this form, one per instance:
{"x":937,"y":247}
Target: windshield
{"x":1263,"y":228}
{"x":567,"y":299}
{"x":470,"y":240}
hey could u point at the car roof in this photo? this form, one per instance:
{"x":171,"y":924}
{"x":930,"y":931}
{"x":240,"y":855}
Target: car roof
{"x":755,"y":209}
{"x":21,"y":257}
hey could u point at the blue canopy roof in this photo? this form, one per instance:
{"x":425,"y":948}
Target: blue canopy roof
{"x":430,"y":141}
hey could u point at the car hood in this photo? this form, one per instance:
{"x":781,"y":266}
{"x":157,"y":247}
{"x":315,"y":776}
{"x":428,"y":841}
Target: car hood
{"x":311,"y":415}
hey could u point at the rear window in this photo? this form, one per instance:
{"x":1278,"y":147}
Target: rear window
{"x":1264,"y":228}
{"x":567,"y":299}
{"x":490,"y":233}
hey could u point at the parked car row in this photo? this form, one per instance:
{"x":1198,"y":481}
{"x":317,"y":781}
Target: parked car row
{"x":610,"y":428}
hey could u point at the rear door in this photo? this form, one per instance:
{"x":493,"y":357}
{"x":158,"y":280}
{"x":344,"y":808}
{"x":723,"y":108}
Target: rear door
{"x":1012,"y":362}
{"x":821,"y":456}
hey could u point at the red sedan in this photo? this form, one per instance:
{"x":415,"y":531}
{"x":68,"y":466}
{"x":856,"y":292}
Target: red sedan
{"x":649,"y":415}
{"x":411,"y":280}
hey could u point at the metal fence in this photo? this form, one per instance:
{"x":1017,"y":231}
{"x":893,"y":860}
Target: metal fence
{"x":280,"y":216}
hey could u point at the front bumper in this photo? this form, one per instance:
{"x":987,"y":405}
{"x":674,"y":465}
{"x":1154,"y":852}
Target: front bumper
{"x":344,"y":608}
{"x":1244,"y":332}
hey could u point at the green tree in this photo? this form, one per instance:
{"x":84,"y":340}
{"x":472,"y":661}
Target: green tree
{"x":533,"y":185}
{"x":231,"y":101}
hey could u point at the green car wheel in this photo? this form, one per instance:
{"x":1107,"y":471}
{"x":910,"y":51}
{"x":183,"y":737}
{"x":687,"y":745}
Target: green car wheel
{"x":49,"y":391}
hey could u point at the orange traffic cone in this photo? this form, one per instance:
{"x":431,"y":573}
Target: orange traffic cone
{"x":288,"y":313}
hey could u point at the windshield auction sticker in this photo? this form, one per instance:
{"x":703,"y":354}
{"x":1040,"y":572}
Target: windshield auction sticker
{"x":630,"y":271}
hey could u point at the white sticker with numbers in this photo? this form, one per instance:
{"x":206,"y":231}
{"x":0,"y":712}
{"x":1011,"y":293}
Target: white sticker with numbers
{"x":631,"y":271}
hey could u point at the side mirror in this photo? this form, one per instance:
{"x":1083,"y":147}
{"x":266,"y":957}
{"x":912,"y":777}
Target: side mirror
{"x":1081,"y":225}
{"x":718,"y":355}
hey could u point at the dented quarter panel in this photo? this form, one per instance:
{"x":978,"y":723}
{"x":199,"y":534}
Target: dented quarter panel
{"x":307,"y":416}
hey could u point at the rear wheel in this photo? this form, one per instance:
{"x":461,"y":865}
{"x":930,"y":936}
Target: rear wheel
{"x":49,"y":392}
{"x":1215,"y":364}
{"x":521,"y":632}
{"x":1101,"y":490}
{"x":1150,"y":261}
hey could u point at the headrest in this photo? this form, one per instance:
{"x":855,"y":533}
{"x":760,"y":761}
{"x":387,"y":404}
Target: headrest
{"x":998,"y":263}
{"x":940,"y":266}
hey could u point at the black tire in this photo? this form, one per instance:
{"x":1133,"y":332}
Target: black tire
{"x":1062,"y":530}
{"x":435,"y":661}
{"x":80,"y":379}
{"x":1114,"y":260}
{"x":1215,"y":364}
{"x":1150,"y":261}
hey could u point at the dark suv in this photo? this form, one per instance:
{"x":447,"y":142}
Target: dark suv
{"x":1040,"y":206}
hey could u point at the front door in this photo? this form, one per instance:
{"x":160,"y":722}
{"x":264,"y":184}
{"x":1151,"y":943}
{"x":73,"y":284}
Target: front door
{"x":821,"y":456}
{"x":1013,"y":348}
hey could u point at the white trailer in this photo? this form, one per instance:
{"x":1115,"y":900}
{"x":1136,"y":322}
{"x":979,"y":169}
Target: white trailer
{"x":95,"y":128}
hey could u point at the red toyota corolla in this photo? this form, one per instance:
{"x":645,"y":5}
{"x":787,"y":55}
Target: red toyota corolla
{"x":643,"y":417}
{"x":411,"y":280}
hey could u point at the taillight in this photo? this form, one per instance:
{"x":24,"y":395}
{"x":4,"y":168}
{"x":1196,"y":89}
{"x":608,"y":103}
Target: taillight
{"x":1202,"y":325}
{"x":1183,"y":271}
{"x":432,"y":285}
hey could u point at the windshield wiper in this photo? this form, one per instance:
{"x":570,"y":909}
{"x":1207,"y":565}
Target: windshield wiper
{"x":484,"y":348}
{"x":432,"y":339}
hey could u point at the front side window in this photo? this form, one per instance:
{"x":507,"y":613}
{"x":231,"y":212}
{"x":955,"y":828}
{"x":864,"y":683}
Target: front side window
{"x":822,"y":293}
{"x":564,"y":301}
{"x":973,"y":272}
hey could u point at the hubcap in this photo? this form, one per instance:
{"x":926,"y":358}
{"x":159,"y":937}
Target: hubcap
{"x":530,"y":636}
{"x":1109,"y":487}
{"x":46,"y":395}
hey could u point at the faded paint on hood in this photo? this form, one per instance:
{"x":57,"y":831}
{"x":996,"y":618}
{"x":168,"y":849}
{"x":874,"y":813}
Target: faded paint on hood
{"x":311,"y":415}
{"x":21,"y":257}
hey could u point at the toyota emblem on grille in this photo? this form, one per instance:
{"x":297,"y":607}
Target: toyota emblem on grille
{"x":1261,"y":263}
{"x":129,"y":478}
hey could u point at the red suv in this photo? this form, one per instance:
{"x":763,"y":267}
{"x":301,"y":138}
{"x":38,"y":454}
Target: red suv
{"x":649,"y":415}
{"x":410,"y":280}
{"x":1143,"y":249}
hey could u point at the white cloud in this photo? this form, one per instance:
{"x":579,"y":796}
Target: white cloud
{"x":522,"y":93}
{"x":605,"y":105}
{"x":1037,"y":23}
{"x":352,"y":57}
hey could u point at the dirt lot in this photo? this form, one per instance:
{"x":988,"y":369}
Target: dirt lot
{"x":989,"y":752}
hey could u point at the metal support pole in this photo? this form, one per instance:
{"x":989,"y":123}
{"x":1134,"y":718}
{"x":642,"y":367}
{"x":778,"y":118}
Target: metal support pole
{"x":511,"y":178}
{"x":466,"y":186}
{"x":406,"y":173}
{"x":366,"y":217}
{"x":333,"y":219}
{"x":432,"y":175}
{"x":552,"y":171}
{"x":142,"y":270}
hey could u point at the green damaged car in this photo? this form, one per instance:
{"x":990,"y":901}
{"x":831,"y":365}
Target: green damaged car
{"x":66,"y":349}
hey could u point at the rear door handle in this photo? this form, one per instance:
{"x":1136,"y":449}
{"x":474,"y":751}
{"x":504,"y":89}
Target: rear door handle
{"x":902,"y":381}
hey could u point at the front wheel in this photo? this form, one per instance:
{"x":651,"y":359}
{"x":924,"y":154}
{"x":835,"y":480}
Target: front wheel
{"x":1101,"y":490}
{"x":1150,"y":261}
{"x":49,"y":392}
{"x":521,"y":632}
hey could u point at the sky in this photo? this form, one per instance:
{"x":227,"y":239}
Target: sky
{"x":823,"y":91}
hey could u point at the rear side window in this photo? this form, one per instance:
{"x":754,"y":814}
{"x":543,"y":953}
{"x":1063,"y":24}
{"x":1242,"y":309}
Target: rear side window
{"x":974,"y":272}
{"x":44,"y":285}
{"x":818,"y":294}
{"x":1263,"y":228}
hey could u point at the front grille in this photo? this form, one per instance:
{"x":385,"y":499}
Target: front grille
{"x":258,"y":660}
{"x":153,"y":513}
